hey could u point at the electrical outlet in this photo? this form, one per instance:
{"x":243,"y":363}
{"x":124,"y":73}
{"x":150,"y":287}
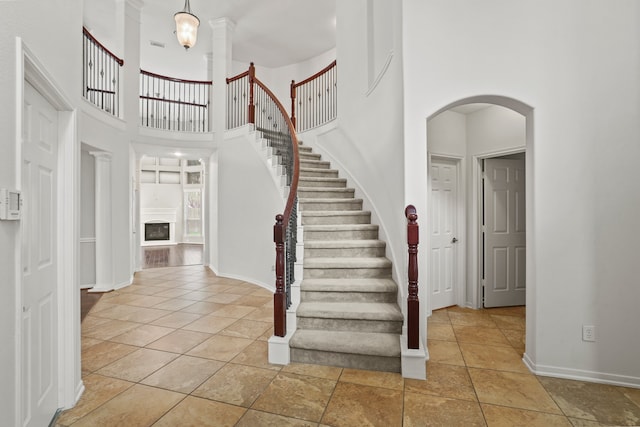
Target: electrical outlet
{"x":588,"y":333}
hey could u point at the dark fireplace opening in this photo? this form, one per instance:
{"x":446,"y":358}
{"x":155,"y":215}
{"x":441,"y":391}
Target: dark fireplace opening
{"x":156,"y":231}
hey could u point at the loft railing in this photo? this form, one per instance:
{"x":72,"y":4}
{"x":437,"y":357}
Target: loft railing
{"x":101,"y":75}
{"x":413,"y":304}
{"x":174,"y":104}
{"x":315,"y":99}
{"x":250,"y":101}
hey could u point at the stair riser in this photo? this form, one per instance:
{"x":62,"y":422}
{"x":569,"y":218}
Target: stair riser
{"x":328,"y":183}
{"x":344,"y":360}
{"x":369,"y":234}
{"x":344,"y":252}
{"x":309,"y":156}
{"x":314,"y":164}
{"x":364,"y":218}
{"x":355,"y":205}
{"x":338,"y":194}
{"x":346,"y":273}
{"x":314,"y":296}
{"x":349,"y":325}
{"x":319,"y":173}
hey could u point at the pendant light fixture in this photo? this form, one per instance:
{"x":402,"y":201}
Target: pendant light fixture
{"x":186,"y":26}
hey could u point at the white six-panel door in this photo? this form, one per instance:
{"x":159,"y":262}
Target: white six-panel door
{"x":39,"y":276}
{"x":442,"y":222}
{"x":504,"y":235}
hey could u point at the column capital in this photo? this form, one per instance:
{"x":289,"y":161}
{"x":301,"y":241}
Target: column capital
{"x":102,"y":155}
{"x":222,"y":23}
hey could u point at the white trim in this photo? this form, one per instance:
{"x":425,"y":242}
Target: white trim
{"x":413,"y":361}
{"x":250,"y":280}
{"x":87,"y":240}
{"x":29,"y":69}
{"x":581,"y":374}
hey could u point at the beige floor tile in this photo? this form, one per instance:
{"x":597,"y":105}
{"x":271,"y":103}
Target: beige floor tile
{"x":256,"y":354}
{"x":632,"y":394}
{"x":439,"y":316}
{"x":234,"y":311}
{"x":254,"y":418}
{"x":138,"y":364}
{"x":124,"y":298}
{"x":221,"y":348}
{"x":296,"y":396}
{"x":480,"y":335}
{"x":215,"y":289}
{"x":519,"y":311}
{"x":440,"y":331}
{"x":222,"y":298}
{"x":264,"y":314}
{"x":319,"y":371}
{"x":142,"y":335}
{"x":87,"y":342}
{"x":444,"y":380}
{"x":593,"y":402}
{"x":91,"y":322}
{"x":183,"y":374}
{"x":253,"y":301}
{"x":511,"y":389}
{"x":492,"y":357}
{"x":203,"y":307}
{"x":139,"y":406}
{"x":134,"y":314}
{"x":445,"y":352}
{"x":175,"y":304}
{"x":177,"y":319}
{"x":578,"y":422}
{"x":500,"y":416}
{"x":198,"y":295}
{"x":172,"y":293}
{"x":179,"y":341}
{"x":98,"y":390}
{"x":196,"y":412}
{"x":355,"y":404}
{"x":509,"y":322}
{"x":244,"y":328}
{"x":262,"y":292}
{"x":104,"y":353}
{"x":467,"y":310}
{"x":149,"y":301}
{"x":109,"y":329}
{"x":100,"y":306}
{"x":267,"y":334}
{"x":209,"y":324}
{"x":471,"y":319}
{"x":236,"y":384}
{"x":373,"y":378}
{"x":240,"y":289}
{"x":422,"y":410}
{"x":515,"y":337}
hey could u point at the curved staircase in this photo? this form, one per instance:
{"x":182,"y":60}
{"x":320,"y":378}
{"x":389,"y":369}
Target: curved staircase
{"x":348,"y":314}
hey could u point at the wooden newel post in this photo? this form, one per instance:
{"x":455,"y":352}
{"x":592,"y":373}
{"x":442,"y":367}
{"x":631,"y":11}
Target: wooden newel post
{"x":293,"y":103}
{"x":413,"y":304}
{"x":251,"y":113}
{"x":280,"y":297}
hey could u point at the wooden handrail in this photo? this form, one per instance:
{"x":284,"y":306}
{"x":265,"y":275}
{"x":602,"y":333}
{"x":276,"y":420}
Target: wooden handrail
{"x":316,"y":75}
{"x":175,"y":79}
{"x":94,"y":40}
{"x":238,"y":77}
{"x":413,"y":304}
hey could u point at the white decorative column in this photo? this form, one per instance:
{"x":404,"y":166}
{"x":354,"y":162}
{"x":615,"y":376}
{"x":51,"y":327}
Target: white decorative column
{"x":104,"y":251}
{"x":128,"y":20}
{"x":220,"y":64}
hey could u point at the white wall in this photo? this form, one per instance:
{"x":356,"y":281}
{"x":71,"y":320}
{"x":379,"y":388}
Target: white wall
{"x":579,"y":72}
{"x":447,"y":134}
{"x":167,"y":196}
{"x":248,"y":201}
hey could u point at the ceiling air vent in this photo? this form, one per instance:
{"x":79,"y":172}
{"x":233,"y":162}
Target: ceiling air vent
{"x":156,"y":44}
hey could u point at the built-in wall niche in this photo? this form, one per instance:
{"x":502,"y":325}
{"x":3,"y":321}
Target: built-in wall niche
{"x":167,"y":170}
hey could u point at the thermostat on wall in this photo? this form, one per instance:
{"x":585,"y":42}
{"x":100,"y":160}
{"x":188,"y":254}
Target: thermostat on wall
{"x":10,"y":204}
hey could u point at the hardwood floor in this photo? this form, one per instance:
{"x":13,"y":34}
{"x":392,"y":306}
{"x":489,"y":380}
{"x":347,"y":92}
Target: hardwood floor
{"x":171,"y":256}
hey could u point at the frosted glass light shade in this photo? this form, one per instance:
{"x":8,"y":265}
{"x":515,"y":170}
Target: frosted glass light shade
{"x":186,"y":28}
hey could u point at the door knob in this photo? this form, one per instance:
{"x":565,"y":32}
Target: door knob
{"x":454,"y":240}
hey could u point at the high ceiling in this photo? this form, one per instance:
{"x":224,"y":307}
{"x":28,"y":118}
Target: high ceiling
{"x":271,"y":33}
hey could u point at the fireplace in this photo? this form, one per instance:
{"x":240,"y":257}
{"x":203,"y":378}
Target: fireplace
{"x":156,"y":231}
{"x":159,"y":226}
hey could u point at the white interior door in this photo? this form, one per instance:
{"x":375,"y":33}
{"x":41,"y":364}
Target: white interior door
{"x":504,"y":232}
{"x":443,"y":220}
{"x":39,"y":262}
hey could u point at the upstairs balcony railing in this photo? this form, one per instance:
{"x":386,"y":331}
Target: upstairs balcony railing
{"x":315,"y":99}
{"x":101,"y":75}
{"x":250,"y":101}
{"x":174,"y":104}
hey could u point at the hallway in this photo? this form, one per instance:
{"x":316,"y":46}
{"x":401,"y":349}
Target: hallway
{"x":183,"y":347}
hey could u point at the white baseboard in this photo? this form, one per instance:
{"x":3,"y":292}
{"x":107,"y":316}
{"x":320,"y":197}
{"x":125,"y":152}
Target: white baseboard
{"x":279,"y":349}
{"x":581,"y":375}
{"x":413,"y":360}
{"x":86,"y":286}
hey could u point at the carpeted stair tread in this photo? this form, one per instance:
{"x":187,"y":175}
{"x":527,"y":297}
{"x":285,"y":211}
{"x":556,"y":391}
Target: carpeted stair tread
{"x":323,"y":244}
{"x":351,"y":310}
{"x":374,"y":344}
{"x":340,"y":227}
{"x":348,"y":285}
{"x":350,"y":262}
{"x":335,"y":213}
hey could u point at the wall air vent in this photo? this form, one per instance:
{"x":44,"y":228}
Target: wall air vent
{"x":156,"y":44}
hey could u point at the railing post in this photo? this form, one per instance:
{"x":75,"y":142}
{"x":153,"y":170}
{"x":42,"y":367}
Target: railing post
{"x":251,"y":114}
{"x":413,"y":304}
{"x":279,"y":297}
{"x":293,"y":102}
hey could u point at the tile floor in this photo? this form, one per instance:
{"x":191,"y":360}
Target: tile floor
{"x":182,"y":347}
